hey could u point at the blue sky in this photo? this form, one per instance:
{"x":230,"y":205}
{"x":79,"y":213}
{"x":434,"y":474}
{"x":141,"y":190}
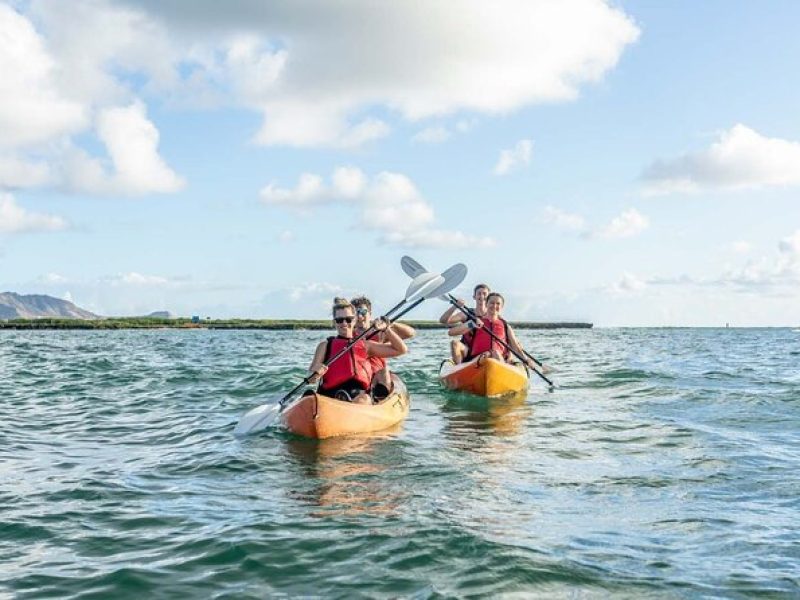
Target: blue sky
{"x":631,"y":163}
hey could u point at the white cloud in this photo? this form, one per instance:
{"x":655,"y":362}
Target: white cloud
{"x":314,"y":78}
{"x":432,"y":135}
{"x":32,"y":110}
{"x":389,"y":203}
{"x":52,"y":279}
{"x":15,"y":219}
{"x":132,"y":143}
{"x":16,"y":172}
{"x":563,"y":220}
{"x":286,"y":236}
{"x":627,"y":224}
{"x":790,"y":245}
{"x":514,"y":158}
{"x":741,"y":159}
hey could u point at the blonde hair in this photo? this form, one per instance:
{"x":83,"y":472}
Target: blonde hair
{"x":341,"y":304}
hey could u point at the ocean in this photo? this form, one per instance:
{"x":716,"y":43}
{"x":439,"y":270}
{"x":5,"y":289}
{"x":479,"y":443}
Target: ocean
{"x":665,"y":465}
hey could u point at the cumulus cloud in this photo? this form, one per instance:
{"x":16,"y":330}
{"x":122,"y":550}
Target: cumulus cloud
{"x":305,"y":69}
{"x":15,"y":219}
{"x":66,"y":71}
{"x":389,"y":203}
{"x":132,"y":144}
{"x":762,"y":274}
{"x":740,"y":159}
{"x":32,"y":109}
{"x":629,"y":223}
{"x":514,"y":158}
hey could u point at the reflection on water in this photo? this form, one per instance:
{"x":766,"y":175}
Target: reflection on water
{"x":469,"y":418}
{"x":347,"y":474}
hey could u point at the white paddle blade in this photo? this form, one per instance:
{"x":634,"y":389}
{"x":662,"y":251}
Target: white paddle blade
{"x":411,"y":267}
{"x":257,"y":419}
{"x":422,"y":284}
{"x":452,"y":278}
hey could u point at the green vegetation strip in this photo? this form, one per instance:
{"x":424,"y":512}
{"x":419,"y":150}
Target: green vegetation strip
{"x":278,"y":324}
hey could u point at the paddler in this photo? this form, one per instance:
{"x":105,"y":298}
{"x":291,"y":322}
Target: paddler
{"x":381,"y":376}
{"x":350,"y":377}
{"x":481,"y":343}
{"x":453,"y":316}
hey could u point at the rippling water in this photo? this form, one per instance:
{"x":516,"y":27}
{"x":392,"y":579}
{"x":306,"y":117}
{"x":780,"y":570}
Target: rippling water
{"x":666,"y":465}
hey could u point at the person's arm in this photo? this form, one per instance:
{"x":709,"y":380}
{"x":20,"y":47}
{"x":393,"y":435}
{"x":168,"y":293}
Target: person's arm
{"x":317,"y":368}
{"x":463,"y":328}
{"x":403,"y":331}
{"x":449,"y":318}
{"x":393,"y":346}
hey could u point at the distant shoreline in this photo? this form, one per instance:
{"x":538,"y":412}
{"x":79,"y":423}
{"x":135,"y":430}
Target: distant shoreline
{"x":266,"y":324}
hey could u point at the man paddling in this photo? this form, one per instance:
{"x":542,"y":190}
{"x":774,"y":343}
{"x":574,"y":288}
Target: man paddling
{"x":350,"y":377}
{"x":453,"y":316}
{"x":381,"y":376}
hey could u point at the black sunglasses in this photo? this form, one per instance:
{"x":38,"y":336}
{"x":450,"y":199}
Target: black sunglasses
{"x":340,"y":320}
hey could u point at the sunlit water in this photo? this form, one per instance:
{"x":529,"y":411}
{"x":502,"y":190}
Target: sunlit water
{"x":667,"y":464}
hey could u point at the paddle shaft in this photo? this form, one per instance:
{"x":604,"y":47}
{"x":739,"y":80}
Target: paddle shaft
{"x":472,"y":316}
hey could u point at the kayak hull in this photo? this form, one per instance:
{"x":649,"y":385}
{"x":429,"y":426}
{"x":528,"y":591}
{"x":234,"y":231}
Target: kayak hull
{"x":319,"y":417}
{"x":483,"y":376}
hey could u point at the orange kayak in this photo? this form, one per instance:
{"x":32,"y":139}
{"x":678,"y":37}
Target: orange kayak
{"x":318,"y":416}
{"x":484,"y":377}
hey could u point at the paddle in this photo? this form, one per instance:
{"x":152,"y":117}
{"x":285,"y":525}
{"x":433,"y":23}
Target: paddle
{"x":424,"y":286}
{"x":413,"y":269}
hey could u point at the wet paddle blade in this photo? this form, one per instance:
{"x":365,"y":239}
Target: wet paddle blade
{"x":257,"y":419}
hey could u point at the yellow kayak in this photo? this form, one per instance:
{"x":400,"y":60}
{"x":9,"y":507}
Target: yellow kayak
{"x":319,"y":416}
{"x":484,"y":377}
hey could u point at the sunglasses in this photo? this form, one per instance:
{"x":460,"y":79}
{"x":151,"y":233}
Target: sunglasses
{"x":362,"y":312}
{"x":340,"y":320}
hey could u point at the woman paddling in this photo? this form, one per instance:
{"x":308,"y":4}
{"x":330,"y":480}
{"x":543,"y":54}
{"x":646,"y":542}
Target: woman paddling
{"x":350,"y":376}
{"x":483,"y":344}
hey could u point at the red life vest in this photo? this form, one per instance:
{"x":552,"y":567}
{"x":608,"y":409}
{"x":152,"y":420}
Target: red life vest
{"x":482,"y":342}
{"x":352,"y":365}
{"x":376,"y":362}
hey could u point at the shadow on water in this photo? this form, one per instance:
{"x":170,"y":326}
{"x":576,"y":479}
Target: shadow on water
{"x":349,"y":476}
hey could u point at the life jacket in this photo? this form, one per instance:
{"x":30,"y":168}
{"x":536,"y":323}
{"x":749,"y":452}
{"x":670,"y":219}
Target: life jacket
{"x":466,"y":339}
{"x":482,"y":342}
{"x":377,"y":362}
{"x":353,"y":365}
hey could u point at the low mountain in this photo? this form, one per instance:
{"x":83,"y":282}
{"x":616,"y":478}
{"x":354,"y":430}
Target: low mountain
{"x":160,"y":314}
{"x":35,"y":306}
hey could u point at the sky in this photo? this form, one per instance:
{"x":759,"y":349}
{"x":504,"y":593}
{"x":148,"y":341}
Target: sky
{"x":630,"y":163}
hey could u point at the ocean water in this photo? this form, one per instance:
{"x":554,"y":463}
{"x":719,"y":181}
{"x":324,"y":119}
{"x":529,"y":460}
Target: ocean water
{"x":666,"y":465}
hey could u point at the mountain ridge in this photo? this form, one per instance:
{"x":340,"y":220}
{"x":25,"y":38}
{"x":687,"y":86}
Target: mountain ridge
{"x":34,"y":306}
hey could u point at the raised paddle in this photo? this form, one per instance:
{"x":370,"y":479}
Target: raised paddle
{"x":413,"y":269}
{"x":425,"y":286}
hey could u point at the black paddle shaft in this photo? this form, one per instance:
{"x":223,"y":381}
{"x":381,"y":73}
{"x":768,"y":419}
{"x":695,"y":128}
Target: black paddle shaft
{"x":472,"y":317}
